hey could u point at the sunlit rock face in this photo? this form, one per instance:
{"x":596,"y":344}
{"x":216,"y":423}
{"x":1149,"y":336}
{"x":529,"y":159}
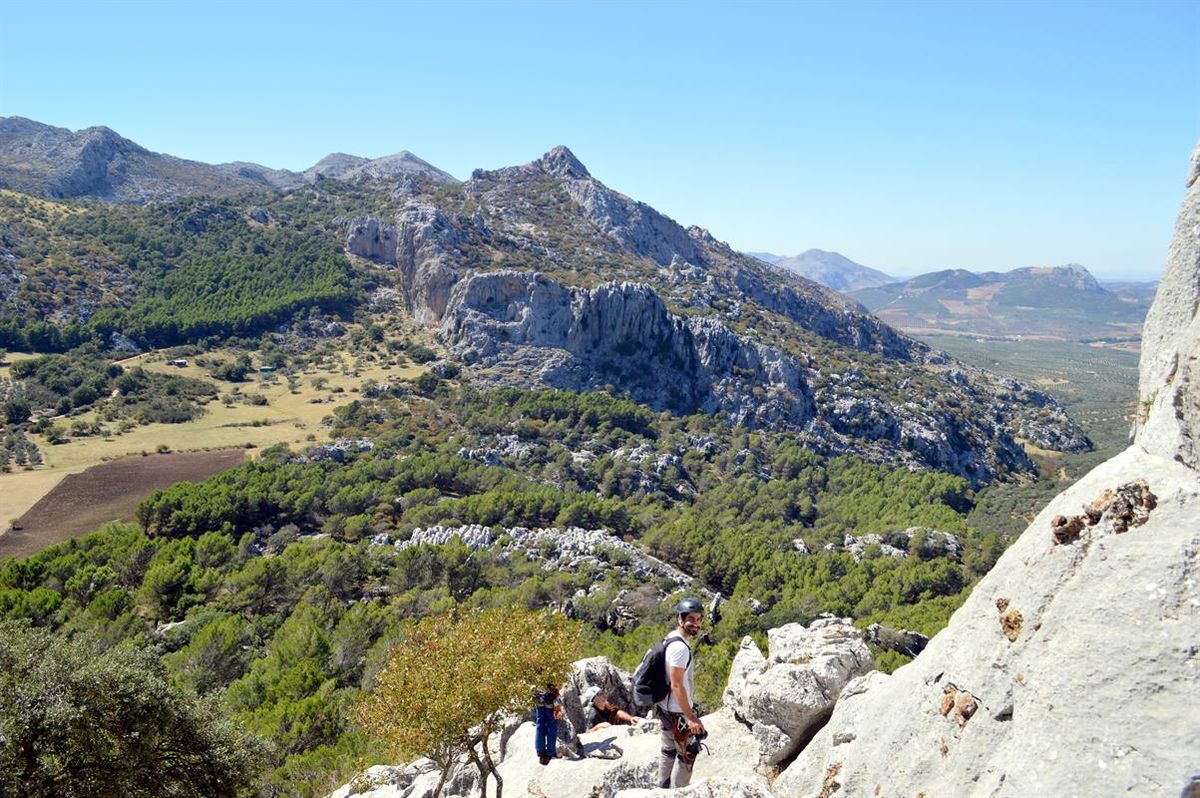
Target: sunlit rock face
{"x":1072,"y":669}
{"x":1169,"y":392}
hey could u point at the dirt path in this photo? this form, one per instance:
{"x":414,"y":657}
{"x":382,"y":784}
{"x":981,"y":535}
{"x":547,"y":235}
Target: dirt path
{"x":107,"y":492}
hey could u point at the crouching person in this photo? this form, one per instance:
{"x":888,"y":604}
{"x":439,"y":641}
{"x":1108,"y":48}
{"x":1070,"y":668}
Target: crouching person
{"x":600,"y":713}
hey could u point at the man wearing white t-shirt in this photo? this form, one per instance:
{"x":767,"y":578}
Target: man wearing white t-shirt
{"x":677,"y":712}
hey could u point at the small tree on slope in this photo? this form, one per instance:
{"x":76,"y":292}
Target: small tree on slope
{"x":451,"y":679}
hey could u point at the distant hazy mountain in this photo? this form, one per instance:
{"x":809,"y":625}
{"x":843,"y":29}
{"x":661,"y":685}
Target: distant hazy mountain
{"x":389,"y":167}
{"x":97,"y":162}
{"x":830,"y":269}
{"x":1138,"y":291}
{"x":766,"y":257}
{"x":1055,"y":302}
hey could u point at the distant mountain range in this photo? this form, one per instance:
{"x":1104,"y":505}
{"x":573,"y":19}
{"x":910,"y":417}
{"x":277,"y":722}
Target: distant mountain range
{"x":1062,"y":302}
{"x":96,"y":162}
{"x":830,"y":269}
{"x":535,"y":275}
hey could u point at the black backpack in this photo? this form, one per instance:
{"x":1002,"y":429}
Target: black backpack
{"x":650,"y":683}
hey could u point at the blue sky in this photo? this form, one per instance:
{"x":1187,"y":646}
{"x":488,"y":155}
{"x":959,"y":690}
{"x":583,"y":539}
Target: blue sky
{"x":908,"y":136}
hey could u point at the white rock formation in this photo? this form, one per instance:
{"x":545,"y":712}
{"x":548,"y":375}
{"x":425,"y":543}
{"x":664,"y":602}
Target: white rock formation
{"x":562,"y":549}
{"x":713,"y":788}
{"x":1074,"y":667}
{"x":787,"y":695}
{"x":1170,"y":367}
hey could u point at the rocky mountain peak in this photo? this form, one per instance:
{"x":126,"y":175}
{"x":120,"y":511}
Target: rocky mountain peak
{"x":1072,"y":275}
{"x":341,"y":166}
{"x":106,"y":136}
{"x":561,"y":162}
{"x":335,"y":164}
{"x":20,"y":126}
{"x":98,"y":162}
{"x":834,"y":270}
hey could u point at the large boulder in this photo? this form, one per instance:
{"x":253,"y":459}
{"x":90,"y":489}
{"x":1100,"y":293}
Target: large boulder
{"x":1072,"y":668}
{"x":788,"y":694}
{"x":593,"y":671}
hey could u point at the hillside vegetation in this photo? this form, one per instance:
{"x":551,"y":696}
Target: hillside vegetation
{"x":162,"y":274}
{"x":288,"y":594}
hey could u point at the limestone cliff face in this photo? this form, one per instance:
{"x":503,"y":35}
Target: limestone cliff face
{"x":1170,"y":365}
{"x":1072,"y":669}
{"x":617,"y":333}
{"x":421,"y":244}
{"x":683,"y":323}
{"x":523,"y":328}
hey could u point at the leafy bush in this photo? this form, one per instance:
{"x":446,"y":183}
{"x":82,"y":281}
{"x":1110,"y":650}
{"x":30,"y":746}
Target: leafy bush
{"x":450,"y":680}
{"x":421,"y":353}
{"x":77,"y":720}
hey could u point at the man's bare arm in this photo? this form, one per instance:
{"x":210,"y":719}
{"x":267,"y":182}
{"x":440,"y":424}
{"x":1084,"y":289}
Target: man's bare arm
{"x":683,"y":699}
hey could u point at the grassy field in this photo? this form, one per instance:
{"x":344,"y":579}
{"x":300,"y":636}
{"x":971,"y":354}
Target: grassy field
{"x":291,"y":416}
{"x":10,"y":358}
{"x":1097,"y":385}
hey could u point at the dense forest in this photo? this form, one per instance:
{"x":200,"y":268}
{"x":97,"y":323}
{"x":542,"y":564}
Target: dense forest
{"x":163,"y":274}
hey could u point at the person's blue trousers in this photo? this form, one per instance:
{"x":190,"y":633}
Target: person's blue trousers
{"x":545,"y":740}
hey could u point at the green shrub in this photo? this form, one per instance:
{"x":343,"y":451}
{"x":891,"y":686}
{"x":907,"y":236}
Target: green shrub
{"x":77,"y":720}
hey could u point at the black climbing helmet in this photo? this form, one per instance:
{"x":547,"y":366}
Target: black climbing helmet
{"x":689,"y":605}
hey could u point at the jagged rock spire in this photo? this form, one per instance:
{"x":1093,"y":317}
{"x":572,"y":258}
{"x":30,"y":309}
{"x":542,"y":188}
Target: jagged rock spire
{"x":561,"y":162}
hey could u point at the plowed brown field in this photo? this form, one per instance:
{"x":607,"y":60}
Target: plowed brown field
{"x":107,"y":492}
